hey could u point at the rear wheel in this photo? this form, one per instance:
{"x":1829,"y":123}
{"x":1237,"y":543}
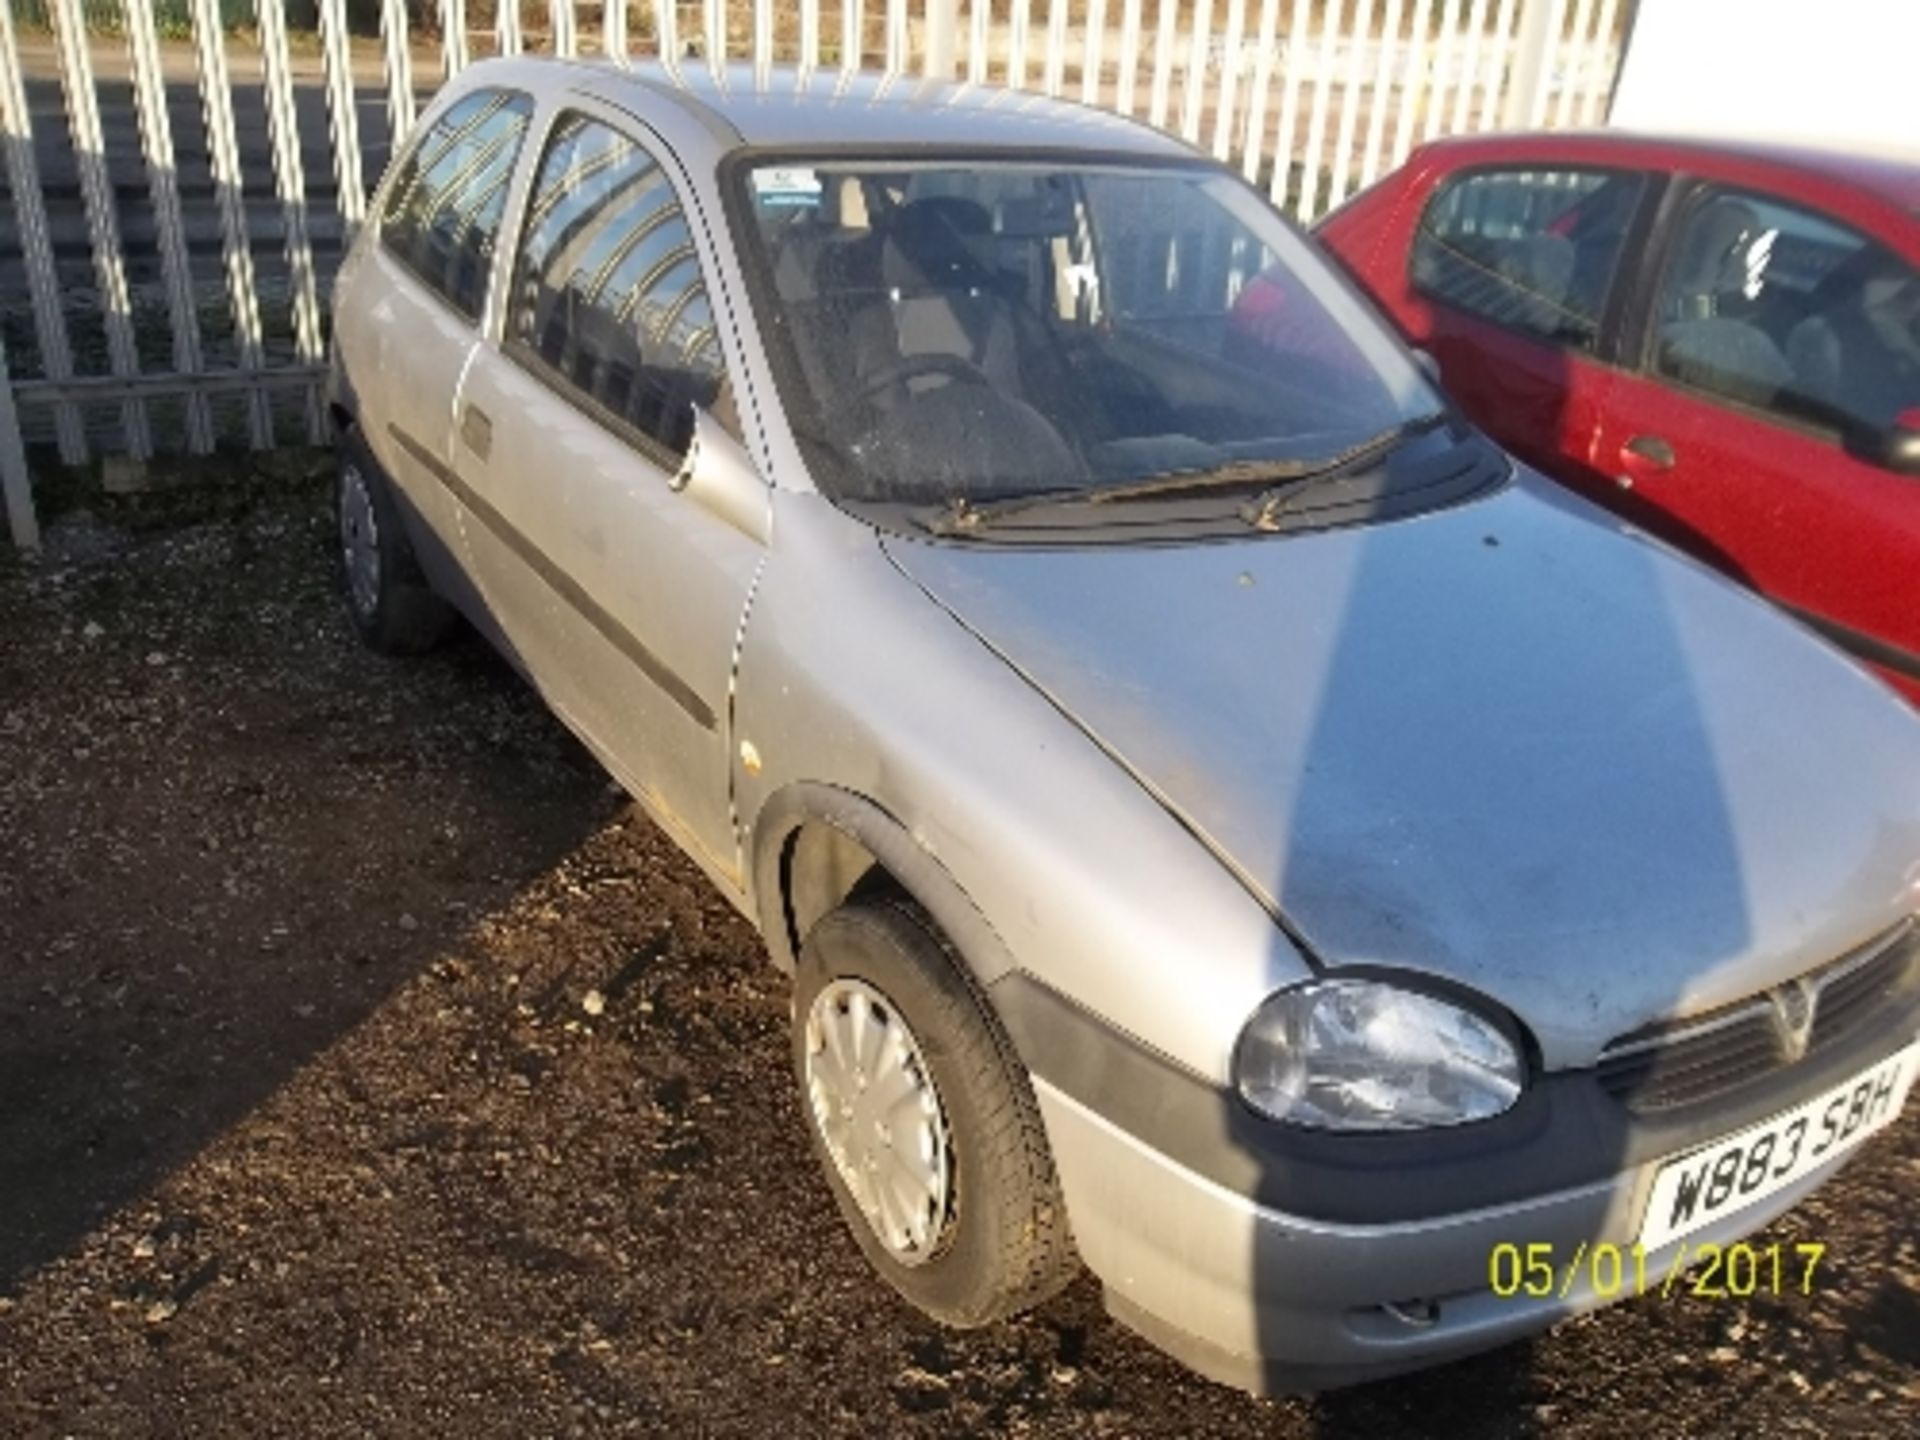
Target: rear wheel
{"x":923,"y":1118}
{"x":392,"y":606}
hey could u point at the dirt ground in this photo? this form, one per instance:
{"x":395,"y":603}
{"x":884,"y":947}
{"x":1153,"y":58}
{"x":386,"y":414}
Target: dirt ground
{"x":309,"y":1125}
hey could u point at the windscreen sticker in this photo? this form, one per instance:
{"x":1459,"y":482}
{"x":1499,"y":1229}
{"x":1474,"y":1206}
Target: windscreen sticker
{"x":784,"y":185}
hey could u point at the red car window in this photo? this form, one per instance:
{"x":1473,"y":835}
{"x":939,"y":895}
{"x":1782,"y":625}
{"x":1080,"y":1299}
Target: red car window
{"x":1533,"y":250}
{"x":1774,"y":307}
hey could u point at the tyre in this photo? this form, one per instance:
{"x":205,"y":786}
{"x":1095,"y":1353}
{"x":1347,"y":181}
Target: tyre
{"x":923,"y":1118}
{"x":392,"y":606}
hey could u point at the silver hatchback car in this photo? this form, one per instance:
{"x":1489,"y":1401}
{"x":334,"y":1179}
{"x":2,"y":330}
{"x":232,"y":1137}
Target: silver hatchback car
{"x":1229,"y":826}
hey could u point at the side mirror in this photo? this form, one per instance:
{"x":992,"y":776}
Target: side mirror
{"x":1426,"y":361}
{"x":719,"y":475}
{"x":1900,"y":446}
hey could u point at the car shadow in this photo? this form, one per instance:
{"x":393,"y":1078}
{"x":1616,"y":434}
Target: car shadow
{"x":1455,"y":769}
{"x":228,"y":835}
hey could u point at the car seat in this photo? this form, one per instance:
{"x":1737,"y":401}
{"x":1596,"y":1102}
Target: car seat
{"x":1704,"y":340}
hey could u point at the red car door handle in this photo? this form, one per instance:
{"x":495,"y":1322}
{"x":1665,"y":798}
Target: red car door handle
{"x":1647,"y":452}
{"x":1643,"y":455}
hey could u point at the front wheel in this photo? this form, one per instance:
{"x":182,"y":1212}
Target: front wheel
{"x":923,"y":1118}
{"x":393,"y":608}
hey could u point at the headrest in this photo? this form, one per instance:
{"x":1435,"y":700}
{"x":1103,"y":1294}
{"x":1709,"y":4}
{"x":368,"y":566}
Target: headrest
{"x":926,"y":244}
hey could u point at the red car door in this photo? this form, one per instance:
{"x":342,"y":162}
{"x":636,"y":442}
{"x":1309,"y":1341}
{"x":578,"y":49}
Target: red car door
{"x":1775,"y":345}
{"x":1504,"y":273}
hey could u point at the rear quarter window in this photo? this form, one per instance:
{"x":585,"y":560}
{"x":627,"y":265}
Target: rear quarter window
{"x":441,"y":217}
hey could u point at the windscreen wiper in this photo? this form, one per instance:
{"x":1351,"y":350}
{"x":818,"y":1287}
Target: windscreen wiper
{"x":1263,"y":512}
{"x":1284,"y":476}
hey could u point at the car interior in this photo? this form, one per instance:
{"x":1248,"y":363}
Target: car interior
{"x":1784,"y":311}
{"x":974,"y":343}
{"x":1534,"y":250}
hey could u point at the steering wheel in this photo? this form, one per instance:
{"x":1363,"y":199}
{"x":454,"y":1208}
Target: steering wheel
{"x":956,"y":368}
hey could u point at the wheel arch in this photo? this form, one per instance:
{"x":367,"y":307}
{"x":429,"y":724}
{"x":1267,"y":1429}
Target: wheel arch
{"x":815,"y":844}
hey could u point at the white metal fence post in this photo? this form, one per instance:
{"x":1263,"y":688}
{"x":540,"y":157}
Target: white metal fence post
{"x":1503,"y":55}
{"x":1054,"y":75}
{"x":851,"y":32}
{"x":343,"y":119}
{"x":1019,"y":20}
{"x":1227,"y":88}
{"x":1442,"y":75}
{"x":453,"y":37}
{"x":1255,"y":136}
{"x":1297,"y":18}
{"x":762,"y":40}
{"x":809,"y":34}
{"x":1469,"y":67}
{"x":1532,"y":74}
{"x":103,"y":220}
{"x":1568,"y":88}
{"x":666,"y":32}
{"x":1199,"y":48}
{"x":943,"y":34}
{"x":223,"y":157}
{"x":1092,"y":54}
{"x":1382,"y":94}
{"x":1162,"y":63}
{"x":16,"y":482}
{"x":1414,"y":80}
{"x":163,"y":188}
{"x":896,"y":37}
{"x":714,"y":36}
{"x":1349,"y":103}
{"x":1129,"y":57}
{"x":1331,"y":22}
{"x":289,"y":174}
{"x":398,"y":51}
{"x":36,"y":246}
{"x":1604,"y":62}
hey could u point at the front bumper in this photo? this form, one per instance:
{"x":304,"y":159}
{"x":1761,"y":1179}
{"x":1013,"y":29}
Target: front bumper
{"x":1274,"y":1303}
{"x":1278,"y":1268}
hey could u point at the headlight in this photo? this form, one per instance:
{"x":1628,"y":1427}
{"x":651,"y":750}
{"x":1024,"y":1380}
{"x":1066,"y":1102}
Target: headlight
{"x":1363,"y":1055}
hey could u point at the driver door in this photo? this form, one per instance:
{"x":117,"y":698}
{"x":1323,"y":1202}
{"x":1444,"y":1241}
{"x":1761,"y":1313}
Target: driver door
{"x":620,"y":596}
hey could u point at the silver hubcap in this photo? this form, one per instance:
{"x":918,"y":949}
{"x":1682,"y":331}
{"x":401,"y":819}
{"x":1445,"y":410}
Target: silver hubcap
{"x":359,"y":540}
{"x":874,"y":1104}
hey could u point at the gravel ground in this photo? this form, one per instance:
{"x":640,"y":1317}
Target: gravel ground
{"x":369,"y":1066}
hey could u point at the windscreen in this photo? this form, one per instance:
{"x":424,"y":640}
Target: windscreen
{"x":972,"y":330}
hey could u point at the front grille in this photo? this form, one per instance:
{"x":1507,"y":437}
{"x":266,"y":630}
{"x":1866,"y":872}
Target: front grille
{"x":1682,"y":1062}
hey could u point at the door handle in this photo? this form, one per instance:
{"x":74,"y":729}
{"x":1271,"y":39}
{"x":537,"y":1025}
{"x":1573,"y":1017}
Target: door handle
{"x":476,"y":431}
{"x":1646,"y":454}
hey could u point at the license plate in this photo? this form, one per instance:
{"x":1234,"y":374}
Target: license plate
{"x":1741,"y":1169}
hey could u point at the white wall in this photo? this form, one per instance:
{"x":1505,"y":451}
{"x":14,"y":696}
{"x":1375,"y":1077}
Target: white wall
{"x":1843,"y":72}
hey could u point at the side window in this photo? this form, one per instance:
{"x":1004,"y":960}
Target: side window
{"x":442,"y":215}
{"x":1533,"y":250}
{"x":1779,"y":308}
{"x":607,"y":292}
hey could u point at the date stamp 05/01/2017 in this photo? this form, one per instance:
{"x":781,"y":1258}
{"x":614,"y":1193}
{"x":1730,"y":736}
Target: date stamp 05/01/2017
{"x":1706,"y":1271}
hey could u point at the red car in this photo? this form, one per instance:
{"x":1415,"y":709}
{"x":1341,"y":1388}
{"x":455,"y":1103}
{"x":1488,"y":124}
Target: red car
{"x":1718,"y":340}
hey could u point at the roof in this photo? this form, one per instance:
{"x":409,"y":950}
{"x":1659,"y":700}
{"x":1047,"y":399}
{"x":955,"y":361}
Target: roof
{"x":1891,"y":175}
{"x":785,"y":105}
